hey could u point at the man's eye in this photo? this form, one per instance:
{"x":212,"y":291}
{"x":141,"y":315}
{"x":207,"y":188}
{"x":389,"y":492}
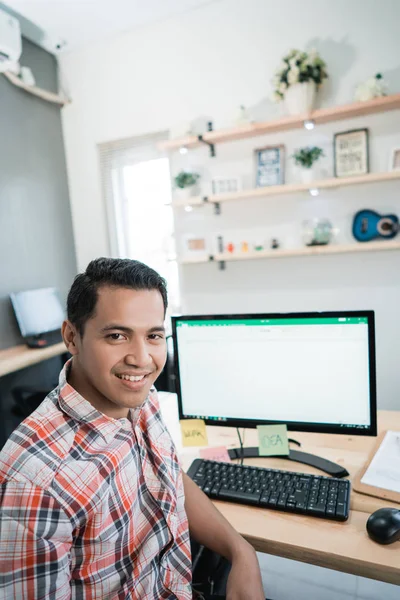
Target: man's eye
{"x":155,"y":336}
{"x":115,"y":336}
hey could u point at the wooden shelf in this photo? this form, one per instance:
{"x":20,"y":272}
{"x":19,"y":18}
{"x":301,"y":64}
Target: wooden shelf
{"x":305,"y":251}
{"x":290,"y":188}
{"x":320,"y":116}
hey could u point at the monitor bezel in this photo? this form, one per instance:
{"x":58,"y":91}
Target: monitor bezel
{"x":293,"y":425}
{"x":14,"y":301}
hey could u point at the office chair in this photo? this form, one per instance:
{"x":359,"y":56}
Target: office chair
{"x":26,"y":400}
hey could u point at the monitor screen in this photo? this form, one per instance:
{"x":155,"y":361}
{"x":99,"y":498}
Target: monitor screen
{"x":37,"y":311}
{"x":312,"y":371}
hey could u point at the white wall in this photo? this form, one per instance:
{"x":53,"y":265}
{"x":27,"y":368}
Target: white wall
{"x":207,"y":62}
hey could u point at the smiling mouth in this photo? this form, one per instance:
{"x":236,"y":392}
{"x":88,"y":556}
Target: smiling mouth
{"x":132,"y":377}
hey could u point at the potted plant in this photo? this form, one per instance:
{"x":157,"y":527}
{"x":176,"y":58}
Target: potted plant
{"x":297,"y":79}
{"x":306,"y":159}
{"x":185,"y":184}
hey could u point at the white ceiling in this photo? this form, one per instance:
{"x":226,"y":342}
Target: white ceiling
{"x":79,"y":22}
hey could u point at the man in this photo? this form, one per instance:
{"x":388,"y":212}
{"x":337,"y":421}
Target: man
{"x":93,"y":502}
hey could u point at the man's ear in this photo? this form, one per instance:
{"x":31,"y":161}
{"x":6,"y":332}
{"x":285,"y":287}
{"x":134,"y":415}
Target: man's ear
{"x":70,"y":337}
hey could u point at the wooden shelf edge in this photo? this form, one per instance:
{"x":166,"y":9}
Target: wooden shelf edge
{"x":293,"y":252}
{"x":320,"y":116}
{"x":35,"y":91}
{"x":291,"y":188}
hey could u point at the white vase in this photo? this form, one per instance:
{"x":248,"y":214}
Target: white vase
{"x":184,"y":194}
{"x":300,"y":98}
{"x":307,"y":175}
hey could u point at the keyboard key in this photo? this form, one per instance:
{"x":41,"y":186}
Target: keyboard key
{"x":239,"y":496}
{"x":316,"y":509}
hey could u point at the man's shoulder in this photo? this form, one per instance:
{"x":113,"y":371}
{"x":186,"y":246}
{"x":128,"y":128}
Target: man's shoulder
{"x":38,"y":446}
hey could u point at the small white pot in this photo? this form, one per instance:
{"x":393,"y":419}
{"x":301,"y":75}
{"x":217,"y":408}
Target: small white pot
{"x":300,"y":98}
{"x":314,"y":173}
{"x":307,"y":175}
{"x":184,"y":194}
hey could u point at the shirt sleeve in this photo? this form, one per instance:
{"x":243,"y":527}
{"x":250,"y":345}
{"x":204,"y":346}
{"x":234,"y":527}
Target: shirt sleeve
{"x":35,"y":544}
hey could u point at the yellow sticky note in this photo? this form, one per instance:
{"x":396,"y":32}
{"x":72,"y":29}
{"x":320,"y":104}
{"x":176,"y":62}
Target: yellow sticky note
{"x":194,"y":432}
{"x":272,"y":440}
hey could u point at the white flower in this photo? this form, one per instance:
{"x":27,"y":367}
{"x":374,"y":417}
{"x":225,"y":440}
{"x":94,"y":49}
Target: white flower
{"x":293,"y":75}
{"x":282,"y":67}
{"x":276,"y":81}
{"x":276,"y":97}
{"x":282,"y":87}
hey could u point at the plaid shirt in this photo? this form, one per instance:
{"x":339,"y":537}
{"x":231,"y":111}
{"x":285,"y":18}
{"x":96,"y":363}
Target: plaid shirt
{"x":92,"y":508}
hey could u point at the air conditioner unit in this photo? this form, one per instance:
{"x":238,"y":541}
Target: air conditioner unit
{"x":10,"y":42}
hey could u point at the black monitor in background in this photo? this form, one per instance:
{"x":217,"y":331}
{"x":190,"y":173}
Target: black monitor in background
{"x":311,"y":371}
{"x":39,"y":315}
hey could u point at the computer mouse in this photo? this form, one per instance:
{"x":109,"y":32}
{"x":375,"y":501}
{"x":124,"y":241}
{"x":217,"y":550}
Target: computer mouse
{"x":383,"y":525}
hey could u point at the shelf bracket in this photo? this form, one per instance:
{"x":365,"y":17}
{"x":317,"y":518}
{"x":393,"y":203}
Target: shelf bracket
{"x":221,"y":263}
{"x":209,"y":144}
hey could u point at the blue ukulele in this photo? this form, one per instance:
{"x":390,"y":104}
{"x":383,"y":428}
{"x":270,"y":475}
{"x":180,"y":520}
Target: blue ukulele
{"x":369,"y":225}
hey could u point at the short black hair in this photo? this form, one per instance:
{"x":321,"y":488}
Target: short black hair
{"x":113,"y":272}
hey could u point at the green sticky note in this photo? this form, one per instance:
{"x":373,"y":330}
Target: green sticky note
{"x":272,"y":440}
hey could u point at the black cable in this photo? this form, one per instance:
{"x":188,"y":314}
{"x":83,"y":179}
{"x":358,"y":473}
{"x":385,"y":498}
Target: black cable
{"x":294,"y":441}
{"x":241,"y":445}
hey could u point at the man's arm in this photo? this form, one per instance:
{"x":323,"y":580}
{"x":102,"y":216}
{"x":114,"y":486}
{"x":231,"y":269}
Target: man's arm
{"x":35,"y":542}
{"x":211,"y":529}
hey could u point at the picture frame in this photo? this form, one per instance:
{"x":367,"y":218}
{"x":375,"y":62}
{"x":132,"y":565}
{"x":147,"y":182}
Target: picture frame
{"x":194,"y":245}
{"x":351,"y":153}
{"x":394,"y":164}
{"x":226,"y":185}
{"x":269,"y":166}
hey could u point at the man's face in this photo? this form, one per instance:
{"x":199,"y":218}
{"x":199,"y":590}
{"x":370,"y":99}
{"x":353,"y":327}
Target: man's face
{"x":122,"y":350}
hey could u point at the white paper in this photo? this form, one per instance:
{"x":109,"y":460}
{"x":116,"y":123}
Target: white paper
{"x":384,"y":469}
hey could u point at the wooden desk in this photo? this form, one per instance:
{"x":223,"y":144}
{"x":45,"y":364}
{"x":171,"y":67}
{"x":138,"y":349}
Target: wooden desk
{"x":341,"y":546}
{"x":19,"y":357}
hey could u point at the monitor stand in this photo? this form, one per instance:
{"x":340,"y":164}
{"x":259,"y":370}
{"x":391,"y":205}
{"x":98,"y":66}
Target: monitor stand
{"x":296,"y":455}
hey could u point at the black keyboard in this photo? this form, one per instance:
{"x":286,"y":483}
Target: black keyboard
{"x":300,"y":493}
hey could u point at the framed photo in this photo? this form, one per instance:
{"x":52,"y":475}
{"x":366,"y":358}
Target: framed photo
{"x":395,"y":160}
{"x":225,"y":185}
{"x":270,"y":163}
{"x":193,"y":245}
{"x":351,"y":154}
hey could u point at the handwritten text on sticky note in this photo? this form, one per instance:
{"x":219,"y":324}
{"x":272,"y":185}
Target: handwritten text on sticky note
{"x":272,"y":440}
{"x":220,"y":454}
{"x":194,"y":432}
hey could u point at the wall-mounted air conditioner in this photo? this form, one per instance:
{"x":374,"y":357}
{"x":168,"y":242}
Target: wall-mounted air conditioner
{"x":10,"y":43}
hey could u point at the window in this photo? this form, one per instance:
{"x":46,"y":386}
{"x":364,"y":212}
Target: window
{"x":137,"y":185}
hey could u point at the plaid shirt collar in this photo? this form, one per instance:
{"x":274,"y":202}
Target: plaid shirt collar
{"x":75,"y":406}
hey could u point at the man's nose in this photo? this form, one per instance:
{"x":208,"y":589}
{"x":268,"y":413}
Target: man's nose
{"x":138,"y":355}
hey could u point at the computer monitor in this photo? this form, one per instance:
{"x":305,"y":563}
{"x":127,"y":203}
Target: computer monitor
{"x":311,"y":371}
{"x":38,"y":313}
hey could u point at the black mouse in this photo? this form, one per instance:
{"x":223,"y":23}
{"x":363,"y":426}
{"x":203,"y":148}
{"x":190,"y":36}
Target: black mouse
{"x":383,"y":525}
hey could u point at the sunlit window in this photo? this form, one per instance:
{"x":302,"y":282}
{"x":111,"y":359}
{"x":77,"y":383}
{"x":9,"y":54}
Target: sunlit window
{"x":142,"y":224}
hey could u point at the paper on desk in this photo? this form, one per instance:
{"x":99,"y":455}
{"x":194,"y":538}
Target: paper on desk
{"x":384,"y":469}
{"x":220,"y":454}
{"x":194,"y":432}
{"x":272,"y":440}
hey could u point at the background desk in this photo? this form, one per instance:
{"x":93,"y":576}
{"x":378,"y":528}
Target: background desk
{"x":19,"y":357}
{"x":15,"y":359}
{"x":341,"y":546}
